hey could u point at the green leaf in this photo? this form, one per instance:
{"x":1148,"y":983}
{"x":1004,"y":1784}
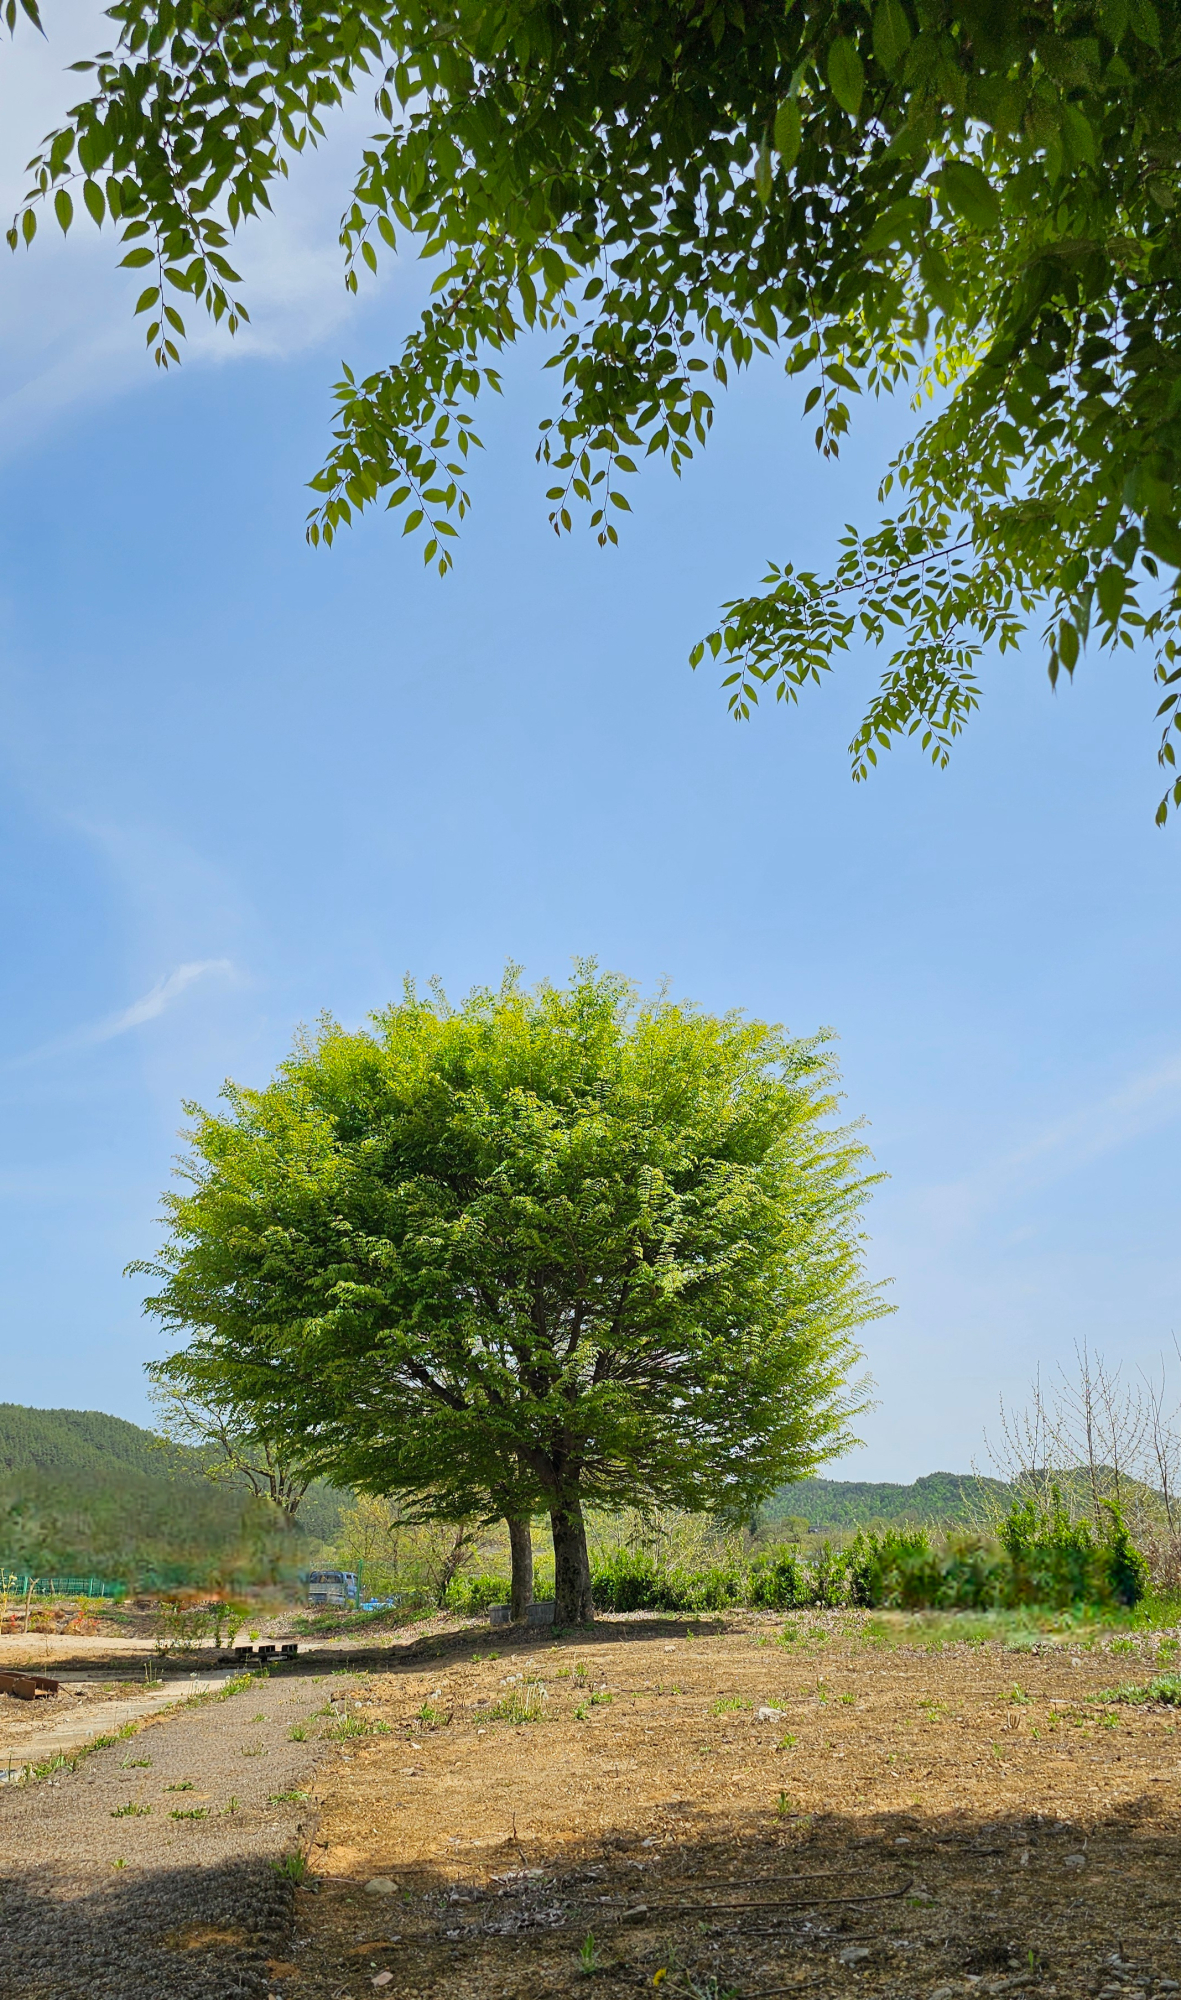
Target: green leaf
{"x":788,"y":131}
{"x":136,"y":259}
{"x":763,"y":173}
{"x":1112,"y":19}
{"x":63,"y":208}
{"x":1145,"y":22}
{"x":891,"y":34}
{"x":846,"y":74}
{"x":1163,"y":537}
{"x":968,"y":192}
{"x":92,"y":195}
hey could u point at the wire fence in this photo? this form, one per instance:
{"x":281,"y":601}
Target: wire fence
{"x":21,"y":1583}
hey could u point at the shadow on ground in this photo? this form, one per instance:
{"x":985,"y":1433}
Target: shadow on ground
{"x":176,"y":1934}
{"x":894,"y":1906}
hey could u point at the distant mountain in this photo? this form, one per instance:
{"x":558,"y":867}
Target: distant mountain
{"x":85,"y":1493}
{"x":940,"y":1500}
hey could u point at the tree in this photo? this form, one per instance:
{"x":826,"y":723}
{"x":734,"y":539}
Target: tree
{"x":195,"y":1413}
{"x":976,"y":200}
{"x":544,"y":1249}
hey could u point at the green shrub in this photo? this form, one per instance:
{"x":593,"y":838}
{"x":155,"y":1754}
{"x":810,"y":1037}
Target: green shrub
{"x":473,"y":1594}
{"x":975,"y":1578}
{"x":893,"y":1567}
{"x":628,"y":1580}
{"x":830,"y":1576}
{"x":1126,"y":1568}
{"x":780,"y":1582}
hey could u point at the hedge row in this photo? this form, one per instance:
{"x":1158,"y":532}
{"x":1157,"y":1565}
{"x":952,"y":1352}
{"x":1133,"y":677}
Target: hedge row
{"x":1041,"y":1558}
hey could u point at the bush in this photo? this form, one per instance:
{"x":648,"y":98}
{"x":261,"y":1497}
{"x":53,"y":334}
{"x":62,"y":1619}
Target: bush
{"x":473,"y":1594}
{"x":1045,"y":1558}
{"x":1127,"y":1569}
{"x":780,"y":1582}
{"x":895,"y":1566}
{"x":628,"y":1580}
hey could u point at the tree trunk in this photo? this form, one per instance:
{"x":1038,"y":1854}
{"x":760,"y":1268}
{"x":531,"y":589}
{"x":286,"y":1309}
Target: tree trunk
{"x":572,"y":1584}
{"x":520,"y":1541}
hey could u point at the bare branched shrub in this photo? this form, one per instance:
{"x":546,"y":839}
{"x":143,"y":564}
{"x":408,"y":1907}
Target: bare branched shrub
{"x":1091,"y":1437}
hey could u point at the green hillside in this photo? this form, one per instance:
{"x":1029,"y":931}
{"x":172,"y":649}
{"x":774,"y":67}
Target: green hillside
{"x":940,"y":1500}
{"x":81,"y":1492}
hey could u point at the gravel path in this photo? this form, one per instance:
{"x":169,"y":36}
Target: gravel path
{"x":147,"y":1871}
{"x":32,"y":1731}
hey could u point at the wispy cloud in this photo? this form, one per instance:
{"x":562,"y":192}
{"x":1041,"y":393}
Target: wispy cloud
{"x":1143,"y":1104}
{"x":68,"y":331}
{"x":147,"y":1008}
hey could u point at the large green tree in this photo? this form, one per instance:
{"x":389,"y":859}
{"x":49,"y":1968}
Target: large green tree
{"x":977,"y":198}
{"x":544,"y":1249}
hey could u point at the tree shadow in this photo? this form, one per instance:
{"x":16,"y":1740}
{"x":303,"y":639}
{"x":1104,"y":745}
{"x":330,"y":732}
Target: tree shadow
{"x":159,"y":1934}
{"x":708,"y":1904}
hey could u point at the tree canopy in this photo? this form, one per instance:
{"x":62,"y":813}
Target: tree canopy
{"x":545,"y":1248}
{"x":976,"y":200}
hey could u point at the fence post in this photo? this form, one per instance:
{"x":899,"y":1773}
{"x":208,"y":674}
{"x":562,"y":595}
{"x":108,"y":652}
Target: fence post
{"x":28,"y":1604}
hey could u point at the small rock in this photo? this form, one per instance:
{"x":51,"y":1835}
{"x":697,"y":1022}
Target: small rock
{"x":380,"y":1885}
{"x":771,"y":1714}
{"x":1166,"y":1985}
{"x":853,"y":1954}
{"x":1074,"y":1860}
{"x":381,"y":1979}
{"x":943,"y":1993}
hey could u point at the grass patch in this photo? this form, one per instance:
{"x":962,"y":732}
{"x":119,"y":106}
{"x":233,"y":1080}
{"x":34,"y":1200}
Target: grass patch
{"x":1166,"y":1688}
{"x":523,"y":1705}
{"x":189,"y":1812}
{"x":130,"y":1811}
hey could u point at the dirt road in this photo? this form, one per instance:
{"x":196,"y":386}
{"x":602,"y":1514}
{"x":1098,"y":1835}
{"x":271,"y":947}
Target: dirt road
{"x":147,"y":1872}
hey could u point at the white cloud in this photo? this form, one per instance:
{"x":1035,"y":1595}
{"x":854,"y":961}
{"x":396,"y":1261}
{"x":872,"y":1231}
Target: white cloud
{"x":1144,"y":1104}
{"x":147,"y":1008}
{"x":68,"y":333}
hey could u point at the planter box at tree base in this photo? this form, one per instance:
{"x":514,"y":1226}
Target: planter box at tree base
{"x":539,"y":1614}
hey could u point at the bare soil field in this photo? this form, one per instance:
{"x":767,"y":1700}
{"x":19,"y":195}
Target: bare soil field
{"x":747,"y":1806}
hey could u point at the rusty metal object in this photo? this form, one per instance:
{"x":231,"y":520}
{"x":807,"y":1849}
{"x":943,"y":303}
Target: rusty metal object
{"x":26,"y":1687}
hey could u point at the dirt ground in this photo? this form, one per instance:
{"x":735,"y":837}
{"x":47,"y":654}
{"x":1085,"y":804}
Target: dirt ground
{"x":750,"y":1806}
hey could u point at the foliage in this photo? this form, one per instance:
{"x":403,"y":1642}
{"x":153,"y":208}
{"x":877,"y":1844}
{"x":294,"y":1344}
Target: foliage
{"x":979,"y":201}
{"x":393,"y":1553}
{"x":1045,"y":1560}
{"x":1059,"y":1560}
{"x":545,"y":1249}
{"x":780,"y":1582}
{"x":903,"y":1570}
{"x":634,"y":1582}
{"x":474,"y":1594}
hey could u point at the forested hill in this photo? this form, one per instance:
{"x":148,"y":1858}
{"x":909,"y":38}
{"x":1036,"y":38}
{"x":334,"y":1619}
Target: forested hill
{"x":941,"y":1499}
{"x":84,"y":1493}
{"x":77,"y":1443}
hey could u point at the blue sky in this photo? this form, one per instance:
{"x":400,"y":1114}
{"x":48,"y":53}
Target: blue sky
{"x":242,"y":782}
